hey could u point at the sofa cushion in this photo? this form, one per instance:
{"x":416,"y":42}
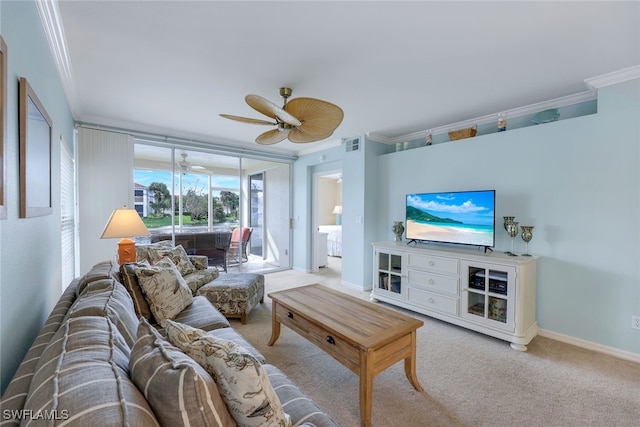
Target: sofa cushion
{"x":199,"y":278}
{"x":102,"y":270}
{"x":178,"y":389}
{"x":243,"y":382}
{"x":300,"y":408}
{"x":106,"y":297}
{"x":164,"y":289}
{"x":202,"y":314}
{"x":130,"y":282}
{"x":179,"y":257}
{"x":82,"y":376}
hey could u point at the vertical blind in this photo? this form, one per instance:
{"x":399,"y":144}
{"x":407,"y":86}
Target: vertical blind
{"x":67,"y":214}
{"x":105,"y":182}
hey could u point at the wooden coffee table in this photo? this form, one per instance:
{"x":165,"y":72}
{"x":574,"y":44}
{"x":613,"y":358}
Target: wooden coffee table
{"x":365,"y":337}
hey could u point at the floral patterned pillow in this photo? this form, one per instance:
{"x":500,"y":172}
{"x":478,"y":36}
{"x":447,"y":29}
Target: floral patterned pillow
{"x":243,"y":383}
{"x":179,"y":257}
{"x":164,"y":289}
{"x":148,"y":252}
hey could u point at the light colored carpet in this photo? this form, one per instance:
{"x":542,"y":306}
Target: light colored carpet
{"x":469,"y":379}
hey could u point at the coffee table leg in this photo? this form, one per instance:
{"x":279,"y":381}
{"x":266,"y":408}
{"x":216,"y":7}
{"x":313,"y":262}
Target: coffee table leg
{"x":275,"y":325}
{"x":366,"y":388}
{"x":410,"y":365}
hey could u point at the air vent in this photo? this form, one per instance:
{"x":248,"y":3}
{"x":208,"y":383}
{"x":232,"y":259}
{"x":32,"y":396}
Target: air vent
{"x":352,"y":144}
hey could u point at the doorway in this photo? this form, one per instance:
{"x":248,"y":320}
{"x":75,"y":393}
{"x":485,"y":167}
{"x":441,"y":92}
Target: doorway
{"x":327,"y":221}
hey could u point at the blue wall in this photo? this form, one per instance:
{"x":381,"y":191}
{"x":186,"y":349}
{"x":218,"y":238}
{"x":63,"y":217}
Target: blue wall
{"x":30,"y":277}
{"x":576,"y":180}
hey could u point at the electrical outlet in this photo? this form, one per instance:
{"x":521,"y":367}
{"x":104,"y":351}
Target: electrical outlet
{"x":635,"y":322}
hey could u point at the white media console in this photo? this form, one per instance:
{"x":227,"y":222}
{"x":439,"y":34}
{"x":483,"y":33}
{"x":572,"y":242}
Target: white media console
{"x":492,"y":293}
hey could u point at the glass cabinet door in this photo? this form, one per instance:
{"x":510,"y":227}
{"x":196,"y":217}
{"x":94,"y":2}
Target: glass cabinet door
{"x":488,"y":296}
{"x":389,"y":273}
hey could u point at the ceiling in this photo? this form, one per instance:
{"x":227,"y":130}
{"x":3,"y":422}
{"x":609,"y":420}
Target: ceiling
{"x":395,"y":68}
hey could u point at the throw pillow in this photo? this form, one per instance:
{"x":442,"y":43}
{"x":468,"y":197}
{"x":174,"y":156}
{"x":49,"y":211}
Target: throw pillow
{"x":179,"y":257}
{"x":131,"y":283}
{"x":148,"y":252}
{"x":179,"y":390}
{"x":243,"y":383}
{"x":164,"y":289}
{"x":200,"y":262}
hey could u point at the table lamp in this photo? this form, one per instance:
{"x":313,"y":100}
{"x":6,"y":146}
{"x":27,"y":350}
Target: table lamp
{"x":125,"y":223}
{"x":337,"y":211}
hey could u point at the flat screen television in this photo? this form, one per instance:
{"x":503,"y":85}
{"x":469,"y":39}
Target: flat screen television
{"x":463,"y":217}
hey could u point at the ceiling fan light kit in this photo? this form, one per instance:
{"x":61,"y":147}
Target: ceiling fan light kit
{"x":301,"y":120}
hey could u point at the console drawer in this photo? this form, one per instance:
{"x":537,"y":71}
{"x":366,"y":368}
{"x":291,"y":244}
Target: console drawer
{"x":448,"y":284}
{"x":432,"y":301}
{"x":342,"y":350}
{"x":433,"y":263}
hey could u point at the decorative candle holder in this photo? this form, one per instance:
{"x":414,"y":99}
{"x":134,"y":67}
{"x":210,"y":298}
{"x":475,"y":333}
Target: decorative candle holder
{"x":398,"y":229}
{"x":512,"y":229}
{"x":508,"y":220}
{"x":527,"y":235}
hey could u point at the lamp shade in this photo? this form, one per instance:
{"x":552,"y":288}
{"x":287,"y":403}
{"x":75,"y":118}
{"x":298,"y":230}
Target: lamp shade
{"x":337,"y":210}
{"x":124,"y":223}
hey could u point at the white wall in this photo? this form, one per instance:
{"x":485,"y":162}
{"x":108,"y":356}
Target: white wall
{"x":30,"y":272}
{"x":578,"y":182}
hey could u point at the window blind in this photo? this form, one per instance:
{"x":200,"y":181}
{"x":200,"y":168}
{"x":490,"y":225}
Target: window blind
{"x":67,"y":215}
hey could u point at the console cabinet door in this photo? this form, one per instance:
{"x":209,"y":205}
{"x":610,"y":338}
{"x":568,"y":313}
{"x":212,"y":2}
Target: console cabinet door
{"x":389,"y":273}
{"x":488,"y":294}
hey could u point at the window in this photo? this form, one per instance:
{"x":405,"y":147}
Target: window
{"x":179,"y":190}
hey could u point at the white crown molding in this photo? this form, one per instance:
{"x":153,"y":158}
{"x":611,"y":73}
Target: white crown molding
{"x":54,"y":30}
{"x":592,"y":84}
{"x":321,"y":146}
{"x":491,"y":118}
{"x":615,"y":77}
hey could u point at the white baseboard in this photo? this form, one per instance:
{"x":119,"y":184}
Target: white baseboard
{"x":611,"y":351}
{"x":352,"y":285}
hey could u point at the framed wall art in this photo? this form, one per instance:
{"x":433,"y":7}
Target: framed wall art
{"x":35,"y":154}
{"x":3,"y":128}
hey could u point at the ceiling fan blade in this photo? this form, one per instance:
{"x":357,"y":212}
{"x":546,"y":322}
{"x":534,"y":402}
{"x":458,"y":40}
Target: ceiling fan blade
{"x":248,"y":120}
{"x":298,"y":136}
{"x":271,"y":137}
{"x":270,"y":109}
{"x":318,"y":117}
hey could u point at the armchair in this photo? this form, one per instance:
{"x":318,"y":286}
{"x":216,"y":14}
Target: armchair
{"x":237,"y":252}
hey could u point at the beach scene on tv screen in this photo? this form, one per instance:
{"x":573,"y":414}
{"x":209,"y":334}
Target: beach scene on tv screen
{"x":462,"y":217}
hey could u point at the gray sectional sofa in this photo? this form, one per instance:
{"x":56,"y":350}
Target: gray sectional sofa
{"x":98,"y":362}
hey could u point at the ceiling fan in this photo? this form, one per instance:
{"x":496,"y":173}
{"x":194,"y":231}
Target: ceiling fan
{"x":187,"y":166}
{"x":301,"y":119}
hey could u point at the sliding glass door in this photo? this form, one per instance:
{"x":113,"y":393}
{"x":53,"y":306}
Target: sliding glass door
{"x":200,"y":198}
